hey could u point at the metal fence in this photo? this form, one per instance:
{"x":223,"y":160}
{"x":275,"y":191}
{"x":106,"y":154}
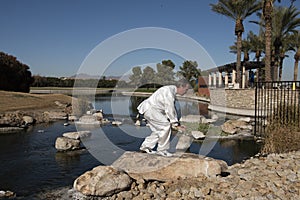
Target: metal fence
{"x":276,"y":101}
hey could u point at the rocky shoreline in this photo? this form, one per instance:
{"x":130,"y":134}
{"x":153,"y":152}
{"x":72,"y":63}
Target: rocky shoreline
{"x":276,"y":176}
{"x":14,"y":121}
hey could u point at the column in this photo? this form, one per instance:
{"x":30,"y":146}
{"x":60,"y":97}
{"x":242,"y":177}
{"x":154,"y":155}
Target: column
{"x":243,"y":77}
{"x":209,"y":80}
{"x":226,"y":79}
{"x":215,"y":80}
{"x":220,"y":79}
{"x":233,"y":76}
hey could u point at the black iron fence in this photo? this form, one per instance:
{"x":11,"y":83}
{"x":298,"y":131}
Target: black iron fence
{"x":276,"y":101}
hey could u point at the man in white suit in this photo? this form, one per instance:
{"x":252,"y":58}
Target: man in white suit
{"x":160,"y":113}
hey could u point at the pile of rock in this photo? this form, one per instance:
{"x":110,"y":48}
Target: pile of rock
{"x":270,"y":177}
{"x":134,"y":170}
{"x":18,"y":120}
{"x":233,"y":128}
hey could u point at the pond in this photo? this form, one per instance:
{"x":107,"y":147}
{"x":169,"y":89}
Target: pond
{"x":30,"y":163}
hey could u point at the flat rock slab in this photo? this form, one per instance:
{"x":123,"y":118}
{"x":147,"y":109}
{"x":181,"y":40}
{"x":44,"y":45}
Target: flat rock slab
{"x":154,"y":167}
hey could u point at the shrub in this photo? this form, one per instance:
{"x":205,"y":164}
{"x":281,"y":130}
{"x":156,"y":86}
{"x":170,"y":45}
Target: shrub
{"x":283,"y":131}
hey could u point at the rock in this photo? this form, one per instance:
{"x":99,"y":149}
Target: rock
{"x":210,"y":121}
{"x":198,"y":134}
{"x":184,"y":142}
{"x":116,"y":123}
{"x":66,"y":144}
{"x":153,"y":167}
{"x":137,"y":123}
{"x":245,"y":119}
{"x":77,"y":135}
{"x":233,"y":126}
{"x":56,"y":115}
{"x":102,"y":181}
{"x":7,"y":194}
{"x":88,"y":119}
{"x":98,"y":115}
{"x":27,"y":120}
{"x":59,"y":104}
{"x":214,"y":117}
{"x":73,"y":118}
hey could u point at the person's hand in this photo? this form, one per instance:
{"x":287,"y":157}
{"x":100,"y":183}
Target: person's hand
{"x":181,"y":128}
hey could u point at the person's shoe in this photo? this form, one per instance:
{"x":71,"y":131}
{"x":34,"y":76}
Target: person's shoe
{"x":164,"y":153}
{"x":147,"y":150}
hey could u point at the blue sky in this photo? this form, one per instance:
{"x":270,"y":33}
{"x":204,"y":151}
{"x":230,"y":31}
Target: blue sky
{"x":57,"y":37}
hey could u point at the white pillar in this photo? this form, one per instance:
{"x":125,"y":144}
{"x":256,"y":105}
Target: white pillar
{"x":220,"y":79}
{"x":233,"y":76}
{"x":215,"y":80}
{"x":209,"y":80}
{"x":226,"y":79}
{"x":243,"y":77}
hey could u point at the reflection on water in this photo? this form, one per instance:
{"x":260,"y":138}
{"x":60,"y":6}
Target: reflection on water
{"x":30,"y":163}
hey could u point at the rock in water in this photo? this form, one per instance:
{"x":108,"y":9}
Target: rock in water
{"x":102,"y":181}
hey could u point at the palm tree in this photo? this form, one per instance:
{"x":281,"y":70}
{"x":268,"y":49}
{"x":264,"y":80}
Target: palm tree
{"x":237,"y":10}
{"x":296,"y":48}
{"x":246,"y":48}
{"x":287,"y":45}
{"x":285,"y":21}
{"x":267,"y":14}
{"x":257,"y":47}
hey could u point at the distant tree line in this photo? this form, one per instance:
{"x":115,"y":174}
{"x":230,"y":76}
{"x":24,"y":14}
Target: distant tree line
{"x":42,"y":81}
{"x":14,"y":75}
{"x":164,"y":74}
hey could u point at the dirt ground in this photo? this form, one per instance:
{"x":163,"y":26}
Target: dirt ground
{"x":12,"y":101}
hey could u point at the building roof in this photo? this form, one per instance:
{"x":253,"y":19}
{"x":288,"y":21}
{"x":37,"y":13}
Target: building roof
{"x":229,"y":67}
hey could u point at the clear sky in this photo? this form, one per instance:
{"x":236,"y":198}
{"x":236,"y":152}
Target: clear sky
{"x":56,"y":37}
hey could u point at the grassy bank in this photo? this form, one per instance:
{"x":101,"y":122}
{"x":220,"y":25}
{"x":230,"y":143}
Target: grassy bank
{"x":12,"y":101}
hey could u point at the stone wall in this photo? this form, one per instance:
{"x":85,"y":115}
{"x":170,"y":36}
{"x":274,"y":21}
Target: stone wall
{"x":233,"y":98}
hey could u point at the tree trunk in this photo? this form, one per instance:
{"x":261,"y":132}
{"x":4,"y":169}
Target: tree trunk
{"x":296,"y":57}
{"x":238,"y":58}
{"x":280,"y":68}
{"x":296,"y":70}
{"x":267,"y":12}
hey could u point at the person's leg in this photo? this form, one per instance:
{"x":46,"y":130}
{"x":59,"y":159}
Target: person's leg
{"x":160,"y":127}
{"x":150,"y":141}
{"x":164,"y":137}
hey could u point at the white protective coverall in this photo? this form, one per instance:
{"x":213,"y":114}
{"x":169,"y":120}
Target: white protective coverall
{"x":159,"y":110}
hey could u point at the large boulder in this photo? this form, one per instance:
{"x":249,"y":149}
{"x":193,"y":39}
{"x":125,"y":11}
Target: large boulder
{"x":184,"y":142}
{"x":233,"y":126}
{"x":88,"y":119}
{"x":154,"y":167}
{"x":66,"y":144}
{"x":102,"y":181}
